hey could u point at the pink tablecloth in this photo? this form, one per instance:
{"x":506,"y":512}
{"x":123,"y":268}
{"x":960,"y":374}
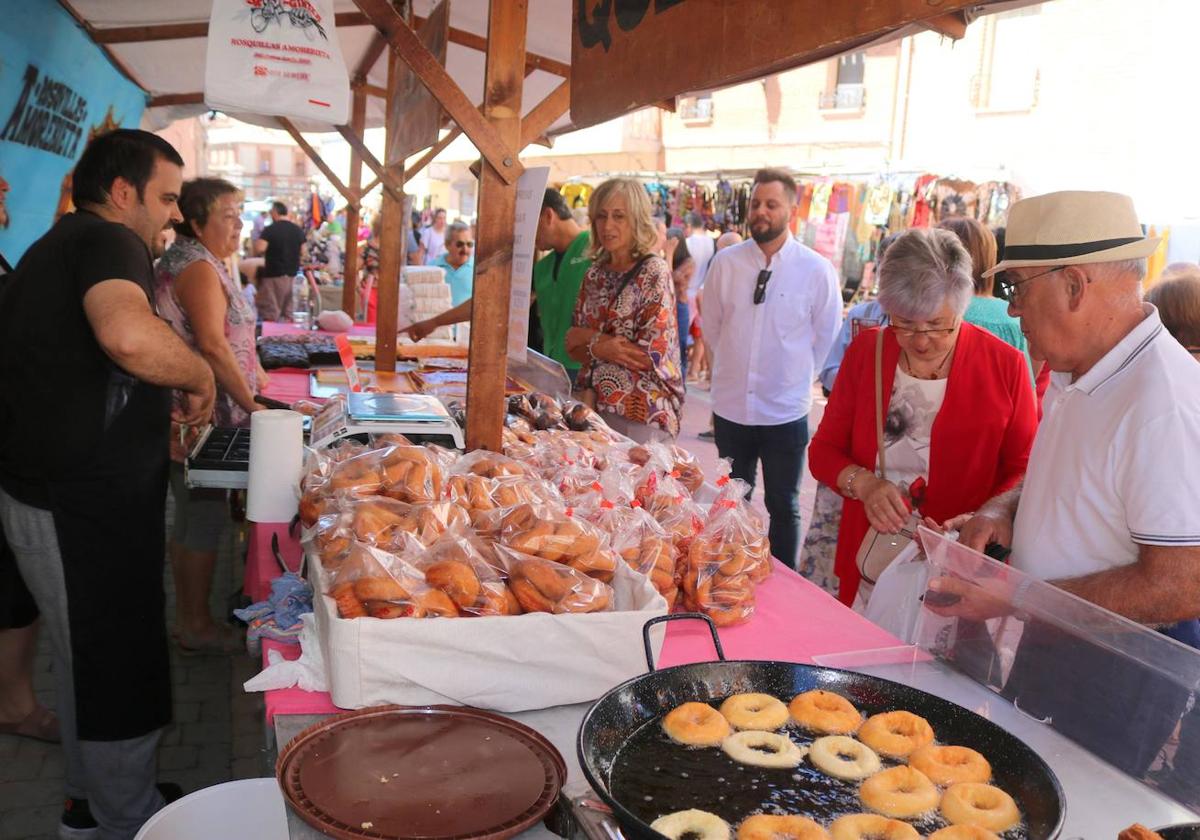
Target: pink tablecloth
{"x":794,"y":622}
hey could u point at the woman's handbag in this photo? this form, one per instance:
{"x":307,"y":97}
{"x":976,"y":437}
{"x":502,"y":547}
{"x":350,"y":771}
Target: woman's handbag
{"x":587,"y":394}
{"x":877,"y":551}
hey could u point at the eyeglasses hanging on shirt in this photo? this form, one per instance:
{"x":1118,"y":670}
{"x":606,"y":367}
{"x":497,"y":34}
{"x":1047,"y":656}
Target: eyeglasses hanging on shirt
{"x":760,"y":288}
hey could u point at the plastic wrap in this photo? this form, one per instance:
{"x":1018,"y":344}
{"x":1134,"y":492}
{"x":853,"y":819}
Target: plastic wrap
{"x":555,"y":536}
{"x":464,"y":567}
{"x":724,"y":562}
{"x":374,"y":583}
{"x":643,"y":544}
{"x":542,"y":585}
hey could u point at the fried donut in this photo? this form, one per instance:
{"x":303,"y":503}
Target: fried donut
{"x":379,"y":589}
{"x":982,"y":805}
{"x":843,"y":758}
{"x":760,"y":712}
{"x":896,"y":734}
{"x":696,"y":725}
{"x":825,"y":712}
{"x":456,"y":579}
{"x":586,"y":596}
{"x":434,"y":604}
{"x":776,"y":827}
{"x":871,"y":827}
{"x":386,"y":609}
{"x":964,"y":832}
{"x":497,"y":599}
{"x":950,"y":765}
{"x":348,"y":604}
{"x":693,"y":824}
{"x":763,"y":749}
{"x":597,"y":563}
{"x":899,"y":792}
{"x":529,"y":596}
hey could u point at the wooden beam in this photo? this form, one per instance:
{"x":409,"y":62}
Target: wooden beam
{"x":372,"y":90}
{"x":404,"y":42}
{"x":163,"y":99}
{"x":543,"y":115}
{"x":195,"y":29}
{"x":286,"y":124}
{"x":358,"y":122}
{"x":434,"y":150}
{"x":488,"y":361}
{"x":371,"y":56}
{"x":533,"y":61}
{"x":951,"y":25}
{"x":362,"y":155}
{"x":392,"y":244}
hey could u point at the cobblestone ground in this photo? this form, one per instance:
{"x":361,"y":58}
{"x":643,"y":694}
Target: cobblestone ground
{"x":218,"y":732}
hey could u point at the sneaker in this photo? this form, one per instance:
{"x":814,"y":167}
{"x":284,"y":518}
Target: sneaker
{"x":707,"y":434}
{"x":77,"y":822}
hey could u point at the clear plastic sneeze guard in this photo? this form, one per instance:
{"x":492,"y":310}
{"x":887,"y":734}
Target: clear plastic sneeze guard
{"x":1124,"y":693}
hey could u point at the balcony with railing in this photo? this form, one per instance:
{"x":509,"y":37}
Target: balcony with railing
{"x":843,"y":98}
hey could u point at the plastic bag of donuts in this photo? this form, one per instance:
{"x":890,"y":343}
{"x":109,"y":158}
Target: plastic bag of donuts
{"x":464,"y":567}
{"x":718,"y":577}
{"x":576,"y":482}
{"x":734,"y":516}
{"x":658,"y":492}
{"x":668,"y":458}
{"x":489,"y":465}
{"x":375,"y":583}
{"x":314,"y":481}
{"x":683,"y":522}
{"x":643,"y":544}
{"x":559,"y":537}
{"x":541,"y":585}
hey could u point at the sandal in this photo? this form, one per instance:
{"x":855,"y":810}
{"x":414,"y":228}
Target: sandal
{"x":41,"y":725}
{"x":224,"y":640}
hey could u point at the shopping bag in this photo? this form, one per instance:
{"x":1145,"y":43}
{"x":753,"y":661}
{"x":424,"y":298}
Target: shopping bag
{"x":278,"y":58}
{"x":895,"y":603}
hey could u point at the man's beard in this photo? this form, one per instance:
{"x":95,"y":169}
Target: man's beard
{"x":763,"y":236}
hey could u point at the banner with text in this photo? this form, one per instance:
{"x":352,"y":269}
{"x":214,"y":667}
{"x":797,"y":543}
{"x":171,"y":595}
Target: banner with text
{"x":57,"y":91}
{"x":276,"y":57}
{"x":531,"y":189}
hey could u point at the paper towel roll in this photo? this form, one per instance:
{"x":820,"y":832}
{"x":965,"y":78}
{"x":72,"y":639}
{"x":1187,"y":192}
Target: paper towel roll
{"x":276,"y":459}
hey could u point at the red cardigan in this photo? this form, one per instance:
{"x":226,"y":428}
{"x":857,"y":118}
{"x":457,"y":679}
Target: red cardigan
{"x":979,"y":443}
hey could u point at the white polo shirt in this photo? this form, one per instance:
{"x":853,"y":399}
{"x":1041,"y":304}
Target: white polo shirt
{"x":766,"y":355}
{"x":1116,"y":460}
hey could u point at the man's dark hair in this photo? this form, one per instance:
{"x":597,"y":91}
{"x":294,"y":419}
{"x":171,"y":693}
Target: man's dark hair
{"x":555,"y":201}
{"x":766,"y":176}
{"x":128,"y":153}
{"x":694,"y":220}
{"x":197,"y":199}
{"x":279,"y":207}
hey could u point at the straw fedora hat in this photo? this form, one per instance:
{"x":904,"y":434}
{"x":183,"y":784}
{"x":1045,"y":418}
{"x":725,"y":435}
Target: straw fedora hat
{"x":1073,"y":228}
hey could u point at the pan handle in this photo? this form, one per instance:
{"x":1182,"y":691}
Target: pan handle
{"x":712,"y":628}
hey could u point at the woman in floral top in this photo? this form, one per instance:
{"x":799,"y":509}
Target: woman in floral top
{"x":204,"y":305}
{"x":625,"y":332}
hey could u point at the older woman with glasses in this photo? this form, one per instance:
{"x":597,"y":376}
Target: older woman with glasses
{"x":957,"y":404}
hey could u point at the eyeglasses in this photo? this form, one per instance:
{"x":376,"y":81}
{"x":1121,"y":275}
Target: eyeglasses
{"x":940,"y":332}
{"x":464,"y":244}
{"x":1011,"y":284}
{"x":760,"y":287}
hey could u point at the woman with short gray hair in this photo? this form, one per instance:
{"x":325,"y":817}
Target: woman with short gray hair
{"x":957,"y":406}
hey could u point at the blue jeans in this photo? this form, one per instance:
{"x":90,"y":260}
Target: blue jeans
{"x":684,"y":318}
{"x":781,"y":449}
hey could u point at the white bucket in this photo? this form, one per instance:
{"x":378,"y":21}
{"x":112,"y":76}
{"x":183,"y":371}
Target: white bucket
{"x":246,"y":808}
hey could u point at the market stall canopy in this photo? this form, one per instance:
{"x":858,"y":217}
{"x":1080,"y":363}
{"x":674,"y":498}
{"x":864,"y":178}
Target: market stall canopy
{"x":162,"y":45}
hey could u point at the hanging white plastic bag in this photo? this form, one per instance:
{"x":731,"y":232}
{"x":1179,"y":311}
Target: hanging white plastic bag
{"x":895,"y":603}
{"x":278,"y":58}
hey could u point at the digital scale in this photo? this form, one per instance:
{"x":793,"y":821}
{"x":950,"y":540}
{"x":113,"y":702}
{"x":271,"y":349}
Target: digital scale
{"x":419,"y":417}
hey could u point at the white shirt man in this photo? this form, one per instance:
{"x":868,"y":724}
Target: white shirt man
{"x":702,"y":247}
{"x":433,"y":238}
{"x":772,"y":308}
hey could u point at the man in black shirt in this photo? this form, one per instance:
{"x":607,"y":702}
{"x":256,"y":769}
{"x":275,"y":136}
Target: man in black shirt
{"x":282,"y":242}
{"x":84,"y":422}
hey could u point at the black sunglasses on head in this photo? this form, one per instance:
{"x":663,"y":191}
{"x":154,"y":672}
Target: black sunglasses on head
{"x":760,"y":287}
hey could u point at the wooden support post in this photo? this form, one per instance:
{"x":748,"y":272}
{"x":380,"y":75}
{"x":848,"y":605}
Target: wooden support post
{"x":488,"y":361}
{"x":391,"y":251}
{"x":351,"y":197}
{"x":358,"y":121}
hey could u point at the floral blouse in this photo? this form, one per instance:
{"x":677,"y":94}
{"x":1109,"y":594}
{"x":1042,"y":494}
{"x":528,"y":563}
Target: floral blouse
{"x":644,"y":313}
{"x":239,"y":331}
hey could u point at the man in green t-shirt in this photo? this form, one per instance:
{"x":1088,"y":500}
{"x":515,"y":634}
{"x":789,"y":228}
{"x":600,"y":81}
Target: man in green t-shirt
{"x":556,"y":281}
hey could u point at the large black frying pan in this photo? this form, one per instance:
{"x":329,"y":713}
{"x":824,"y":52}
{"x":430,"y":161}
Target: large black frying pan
{"x":619,"y":733}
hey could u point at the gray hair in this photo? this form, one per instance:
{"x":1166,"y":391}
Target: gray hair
{"x":1120,"y":268}
{"x":922,"y":271}
{"x":455,"y":228}
{"x":694,"y":220}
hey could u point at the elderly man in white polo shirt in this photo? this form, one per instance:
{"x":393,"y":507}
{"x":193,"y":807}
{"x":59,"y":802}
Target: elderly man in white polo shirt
{"x":771,"y":310}
{"x":1109,"y":507}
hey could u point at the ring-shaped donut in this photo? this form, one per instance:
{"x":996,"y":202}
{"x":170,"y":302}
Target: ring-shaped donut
{"x":693,"y":824}
{"x":947,"y":766}
{"x":983,"y":805}
{"x":825,"y":712}
{"x":760,"y":712}
{"x":778,"y":827}
{"x":896,"y":734}
{"x":763,"y":749}
{"x":844,"y":758}
{"x":696,"y":725}
{"x":963,"y":832}
{"x":899,"y":792}
{"x":871,"y":827}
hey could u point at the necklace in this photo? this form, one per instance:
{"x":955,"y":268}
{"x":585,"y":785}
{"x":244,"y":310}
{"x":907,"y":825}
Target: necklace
{"x":937,"y":372}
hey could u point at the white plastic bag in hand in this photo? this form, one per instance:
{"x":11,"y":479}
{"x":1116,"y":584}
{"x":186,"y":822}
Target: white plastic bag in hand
{"x":895,"y":603}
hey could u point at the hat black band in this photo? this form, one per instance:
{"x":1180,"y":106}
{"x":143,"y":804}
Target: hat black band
{"x":1073,"y":249}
